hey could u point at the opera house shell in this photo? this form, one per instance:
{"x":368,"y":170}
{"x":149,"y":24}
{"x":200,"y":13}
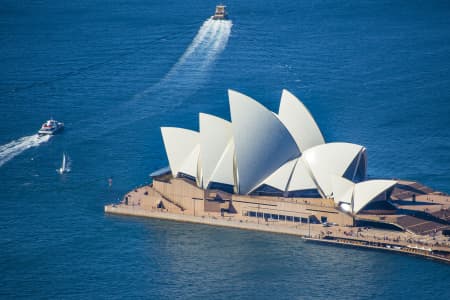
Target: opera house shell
{"x":280,"y":154}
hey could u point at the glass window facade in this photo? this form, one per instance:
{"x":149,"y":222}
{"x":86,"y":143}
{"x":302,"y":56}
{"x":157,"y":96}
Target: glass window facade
{"x":270,"y":216}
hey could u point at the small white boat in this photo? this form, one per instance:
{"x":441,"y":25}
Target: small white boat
{"x":220,"y":13}
{"x":65,"y":166}
{"x":51,"y":127}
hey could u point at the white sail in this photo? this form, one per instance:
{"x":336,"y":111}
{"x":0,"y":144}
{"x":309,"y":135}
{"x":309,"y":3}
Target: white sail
{"x":63,"y":167}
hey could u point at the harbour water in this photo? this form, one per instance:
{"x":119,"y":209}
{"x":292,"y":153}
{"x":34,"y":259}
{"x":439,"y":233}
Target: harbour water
{"x":371,"y":72}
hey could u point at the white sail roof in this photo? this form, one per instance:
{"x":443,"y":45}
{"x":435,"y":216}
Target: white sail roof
{"x":280,"y":178}
{"x":328,"y":160}
{"x":358,"y":195}
{"x":179,"y":144}
{"x":262,"y":142}
{"x":301,"y":178}
{"x":260,"y":147}
{"x":366,"y":191}
{"x":223,"y":172}
{"x":190,"y":164}
{"x":215,"y":134}
{"x":342,"y":190}
{"x":299,"y":121}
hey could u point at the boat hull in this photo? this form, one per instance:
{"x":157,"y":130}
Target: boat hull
{"x":51,"y":131}
{"x":220,"y":13}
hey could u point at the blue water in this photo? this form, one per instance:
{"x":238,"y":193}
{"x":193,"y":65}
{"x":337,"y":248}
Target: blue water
{"x":375,"y":73}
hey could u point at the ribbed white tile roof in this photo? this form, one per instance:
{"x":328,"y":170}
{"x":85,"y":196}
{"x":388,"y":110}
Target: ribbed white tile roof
{"x":179,"y":144}
{"x":260,"y":147}
{"x":215,"y":135}
{"x":328,"y":160}
{"x":262,"y":142}
{"x":299,"y":121}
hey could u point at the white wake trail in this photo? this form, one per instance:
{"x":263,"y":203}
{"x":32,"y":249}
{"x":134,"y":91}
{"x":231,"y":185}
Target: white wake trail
{"x":14,"y":148}
{"x":182,"y":80}
{"x":191,"y":69}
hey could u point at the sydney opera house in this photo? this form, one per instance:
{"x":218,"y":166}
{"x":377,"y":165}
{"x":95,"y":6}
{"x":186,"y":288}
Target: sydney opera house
{"x":274,"y":172}
{"x":270,"y":165}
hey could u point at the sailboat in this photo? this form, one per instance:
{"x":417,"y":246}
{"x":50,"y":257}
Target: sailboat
{"x":65,"y":166}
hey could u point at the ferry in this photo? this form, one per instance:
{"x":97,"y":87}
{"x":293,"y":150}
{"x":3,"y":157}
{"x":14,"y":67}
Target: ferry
{"x":51,"y":127}
{"x":221,"y":13}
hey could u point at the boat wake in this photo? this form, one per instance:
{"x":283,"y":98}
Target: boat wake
{"x":14,"y":148}
{"x":191,"y":70}
{"x":182,"y":80}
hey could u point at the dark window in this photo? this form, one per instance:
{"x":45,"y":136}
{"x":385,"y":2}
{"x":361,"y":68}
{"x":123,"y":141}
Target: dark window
{"x":297,"y":219}
{"x":260,"y":215}
{"x":266,"y":190}
{"x":183,"y":175}
{"x":251,"y":214}
{"x":351,"y":169}
{"x":323,"y":219}
{"x":275,"y":217}
{"x":361,"y":173}
{"x":282,"y":217}
{"x":313,"y":220}
{"x":289,"y":218}
{"x":221,"y":186}
{"x":379,"y":205}
{"x":311,"y":193}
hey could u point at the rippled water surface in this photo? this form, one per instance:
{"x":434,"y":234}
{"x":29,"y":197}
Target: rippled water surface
{"x":374,"y":73}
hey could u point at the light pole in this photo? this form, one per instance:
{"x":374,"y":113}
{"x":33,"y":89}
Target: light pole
{"x":257,"y":214}
{"x":309,"y":227}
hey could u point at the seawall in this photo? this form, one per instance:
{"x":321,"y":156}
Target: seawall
{"x":214,"y":221}
{"x":312,"y":233}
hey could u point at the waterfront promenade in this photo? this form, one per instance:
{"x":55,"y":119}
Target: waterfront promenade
{"x":434,"y":247}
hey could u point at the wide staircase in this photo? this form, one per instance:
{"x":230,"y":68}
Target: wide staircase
{"x":420,"y":226}
{"x":406,"y":190}
{"x":443,"y":215}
